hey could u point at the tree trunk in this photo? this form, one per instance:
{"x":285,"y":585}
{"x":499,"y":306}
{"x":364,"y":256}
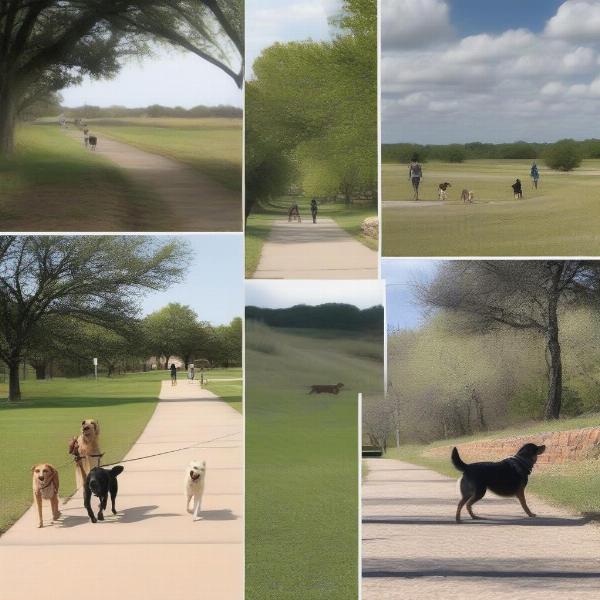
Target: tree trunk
{"x":14,"y":386}
{"x":553,"y":403}
{"x":8,"y":114}
{"x":40,"y":370}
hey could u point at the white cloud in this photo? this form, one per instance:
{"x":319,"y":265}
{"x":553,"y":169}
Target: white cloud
{"x":414,"y":23}
{"x":576,"y":20}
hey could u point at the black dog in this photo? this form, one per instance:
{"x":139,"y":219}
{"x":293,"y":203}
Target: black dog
{"x":505,"y":478}
{"x":101,"y":482}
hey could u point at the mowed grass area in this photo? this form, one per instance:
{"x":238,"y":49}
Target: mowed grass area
{"x":38,"y":428}
{"x":561,"y":218}
{"x":302,"y":460}
{"x":212,"y":146}
{"x":575,"y":486}
{"x":52,"y":184}
{"x":260,"y":221}
{"x":230,"y":391}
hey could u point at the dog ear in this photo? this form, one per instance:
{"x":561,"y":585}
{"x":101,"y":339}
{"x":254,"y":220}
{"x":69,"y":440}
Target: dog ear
{"x":33,"y":468}
{"x":97,"y":426}
{"x":83,"y":422}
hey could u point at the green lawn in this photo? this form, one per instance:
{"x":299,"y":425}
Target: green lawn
{"x":572,"y":485}
{"x":39,"y":428}
{"x":562,"y":217}
{"x":213,"y":146}
{"x":230,"y":391}
{"x":302,"y":462}
{"x":258,"y":225}
{"x":52,"y":184}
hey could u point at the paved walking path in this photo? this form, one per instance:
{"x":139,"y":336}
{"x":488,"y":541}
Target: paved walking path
{"x":151,"y":550}
{"x":314,"y":251}
{"x":194,"y":201}
{"x":413,"y":548}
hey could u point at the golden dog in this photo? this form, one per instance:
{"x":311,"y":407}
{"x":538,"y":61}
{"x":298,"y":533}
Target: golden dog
{"x":86,"y":449}
{"x":45,"y":487}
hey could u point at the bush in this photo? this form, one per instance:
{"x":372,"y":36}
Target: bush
{"x":563,"y":156}
{"x":455,"y":153}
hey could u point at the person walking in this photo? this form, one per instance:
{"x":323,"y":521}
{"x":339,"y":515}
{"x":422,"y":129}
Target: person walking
{"x":535,"y":175}
{"x":415,"y":174}
{"x":191,"y":372}
{"x":314,"y":209}
{"x":86,"y":136}
{"x":173,"y":374}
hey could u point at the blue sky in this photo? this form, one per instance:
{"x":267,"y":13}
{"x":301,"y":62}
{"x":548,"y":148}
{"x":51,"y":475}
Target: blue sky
{"x":213,"y":285}
{"x":402,"y":309}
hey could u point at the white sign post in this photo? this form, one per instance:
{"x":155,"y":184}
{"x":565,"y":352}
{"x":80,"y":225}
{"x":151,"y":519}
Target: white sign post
{"x":96,"y":369}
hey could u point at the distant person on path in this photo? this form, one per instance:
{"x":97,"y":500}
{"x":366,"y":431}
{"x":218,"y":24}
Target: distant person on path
{"x":173,"y":374}
{"x":191,"y":372}
{"x":535,"y":175}
{"x":415,"y":174}
{"x":294,"y":212}
{"x":202,"y":377}
{"x":518,"y":189}
{"x":86,"y":136}
{"x":314,"y":209}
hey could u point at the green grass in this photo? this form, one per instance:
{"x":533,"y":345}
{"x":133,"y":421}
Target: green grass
{"x":52,"y":184}
{"x":562,"y":217}
{"x":260,"y":221}
{"x":575,"y":486}
{"x":212,"y":146}
{"x":302,"y":463}
{"x":39,"y":428}
{"x":230,"y":391}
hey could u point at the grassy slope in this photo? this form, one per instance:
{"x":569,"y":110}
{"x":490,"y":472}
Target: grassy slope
{"x":230,"y":391}
{"x":561,"y":218}
{"x":213,"y":146}
{"x":259,"y":224}
{"x":575,"y":485}
{"x":39,"y":428}
{"x":301,"y":462}
{"x":51,"y":183}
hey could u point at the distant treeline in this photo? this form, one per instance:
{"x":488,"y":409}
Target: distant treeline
{"x":156,"y":110}
{"x":325,"y":316}
{"x":403,"y":153}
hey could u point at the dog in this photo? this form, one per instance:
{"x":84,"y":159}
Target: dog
{"x":505,"y":478}
{"x":93,"y":142}
{"x":443,"y":190}
{"x":45,"y":487}
{"x":326,"y":389}
{"x":101,"y":482}
{"x":467,"y":197}
{"x":86,"y":449}
{"x":195,"y":478}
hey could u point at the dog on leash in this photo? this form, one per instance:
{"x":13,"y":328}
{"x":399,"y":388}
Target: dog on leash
{"x":101,"y":483}
{"x":195,"y":479}
{"x":86,"y":449}
{"x":93,"y":142}
{"x":506,"y":478}
{"x":443,"y":190}
{"x":467,"y":197}
{"x":45,"y":487}
{"x":326,"y":389}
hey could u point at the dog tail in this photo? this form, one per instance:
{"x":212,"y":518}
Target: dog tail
{"x":458,"y":463}
{"x":117,"y":470}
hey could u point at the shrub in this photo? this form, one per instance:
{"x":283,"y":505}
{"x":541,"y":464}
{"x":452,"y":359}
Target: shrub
{"x":455,"y":153}
{"x":565,"y":155}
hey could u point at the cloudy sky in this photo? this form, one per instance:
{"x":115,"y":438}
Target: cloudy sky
{"x":283,"y":294}
{"x":270,"y":21}
{"x":466,"y":70}
{"x":213,"y":284}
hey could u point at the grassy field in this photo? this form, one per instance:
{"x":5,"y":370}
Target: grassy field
{"x":52,"y":184}
{"x":301,"y":461}
{"x":230,"y":391}
{"x":213,"y":146}
{"x":260,"y":220}
{"x":572,"y":485}
{"x":39,"y":428}
{"x":561,"y":218}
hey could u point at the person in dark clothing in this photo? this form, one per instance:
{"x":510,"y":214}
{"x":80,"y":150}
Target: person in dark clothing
{"x":173,"y":374}
{"x":314,"y":209}
{"x":535,"y":175}
{"x":518,"y":189}
{"x":415,"y":174}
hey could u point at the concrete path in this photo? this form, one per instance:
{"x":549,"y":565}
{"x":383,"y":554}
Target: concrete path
{"x":194,"y":201}
{"x":413,"y":548}
{"x":151,"y":550}
{"x":314,"y":251}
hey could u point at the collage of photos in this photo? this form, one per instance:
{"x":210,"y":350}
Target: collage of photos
{"x":299,"y":300}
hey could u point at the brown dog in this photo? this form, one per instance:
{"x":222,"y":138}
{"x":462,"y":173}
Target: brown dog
{"x":467,"y":197}
{"x":45,"y":487}
{"x":326,"y":389}
{"x":86,"y":449}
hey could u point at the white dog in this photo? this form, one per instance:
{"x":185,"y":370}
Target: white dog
{"x":195,"y":478}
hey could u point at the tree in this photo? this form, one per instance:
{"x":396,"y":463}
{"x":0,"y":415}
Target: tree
{"x":227,"y":344}
{"x":46,"y":45}
{"x":93,"y":279}
{"x":522,"y":295}
{"x":563,"y":156}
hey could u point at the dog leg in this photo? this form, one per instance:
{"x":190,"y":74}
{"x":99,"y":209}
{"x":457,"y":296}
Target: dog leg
{"x":521,"y":497}
{"x":55,"y":511}
{"x":197,"y":505}
{"x":459,"y":508}
{"x":87,"y":502}
{"x":476,"y":497}
{"x":187,"y":505}
{"x":38,"y":500}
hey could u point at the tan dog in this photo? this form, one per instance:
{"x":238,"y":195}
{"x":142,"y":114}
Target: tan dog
{"x":467,"y":196}
{"x":326,"y":389}
{"x":86,"y":449}
{"x":45,"y":487}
